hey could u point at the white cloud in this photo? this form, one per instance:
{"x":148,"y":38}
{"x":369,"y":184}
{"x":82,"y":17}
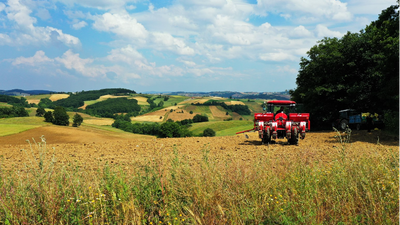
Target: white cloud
{"x":25,"y":33}
{"x":130,"y":7}
{"x":277,"y":56}
{"x":330,"y":9}
{"x":2,"y":6}
{"x":79,"y":25}
{"x":85,"y":67}
{"x":300,"y":32}
{"x":43,"y":14}
{"x":322,"y":31}
{"x":38,"y":58}
{"x":123,"y":25}
{"x":162,"y":41}
{"x":127,"y":55}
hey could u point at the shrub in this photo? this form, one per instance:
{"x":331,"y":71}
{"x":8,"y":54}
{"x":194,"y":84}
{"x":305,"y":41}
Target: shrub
{"x":60,"y":116}
{"x":48,"y":117}
{"x":40,"y":111}
{"x":77,"y":120}
{"x":208,"y":132}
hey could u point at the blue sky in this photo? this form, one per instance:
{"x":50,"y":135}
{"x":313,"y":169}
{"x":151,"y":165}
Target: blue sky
{"x":169,"y":45}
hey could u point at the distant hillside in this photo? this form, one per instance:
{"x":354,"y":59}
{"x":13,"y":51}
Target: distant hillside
{"x":233,"y":94}
{"x":19,"y":92}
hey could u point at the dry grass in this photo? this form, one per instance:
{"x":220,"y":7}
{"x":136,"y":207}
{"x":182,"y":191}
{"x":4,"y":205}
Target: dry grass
{"x":177,"y":115}
{"x":100,"y":121}
{"x":55,"y":97}
{"x":141,"y":100}
{"x":148,"y":118}
{"x":216,"y":112}
{"x":220,"y":180}
{"x":234,"y":103}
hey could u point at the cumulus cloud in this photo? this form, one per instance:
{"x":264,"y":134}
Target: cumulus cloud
{"x":79,"y":25}
{"x":25,"y":33}
{"x":38,"y":58}
{"x":73,"y":61}
{"x":330,"y":9}
{"x":127,"y":54}
{"x":121,"y":24}
{"x":322,"y":31}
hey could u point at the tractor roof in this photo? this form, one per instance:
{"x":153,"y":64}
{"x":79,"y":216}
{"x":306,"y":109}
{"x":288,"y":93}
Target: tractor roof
{"x":281,"y":102}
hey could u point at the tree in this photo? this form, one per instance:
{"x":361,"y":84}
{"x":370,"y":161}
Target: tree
{"x":170,"y":129}
{"x":60,"y":116}
{"x":208,"y":132}
{"x":77,"y":120}
{"x":40,"y":111}
{"x":160,"y":104}
{"x":48,"y":117}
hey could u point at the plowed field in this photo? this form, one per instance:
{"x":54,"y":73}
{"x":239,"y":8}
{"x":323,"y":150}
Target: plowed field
{"x":91,"y":147}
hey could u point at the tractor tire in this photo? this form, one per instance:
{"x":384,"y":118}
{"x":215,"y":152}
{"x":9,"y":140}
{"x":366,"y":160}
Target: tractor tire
{"x":343,"y":124}
{"x":294,"y":140}
{"x":267,"y":137}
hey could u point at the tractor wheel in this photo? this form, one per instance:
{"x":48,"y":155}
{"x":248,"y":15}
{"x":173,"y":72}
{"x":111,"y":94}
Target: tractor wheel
{"x":295,"y":137}
{"x":267,"y":137}
{"x":343,"y":124}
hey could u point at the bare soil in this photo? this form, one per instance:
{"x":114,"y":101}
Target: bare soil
{"x":95,"y":147}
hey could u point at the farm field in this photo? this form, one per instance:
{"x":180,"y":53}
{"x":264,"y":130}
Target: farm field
{"x":222,"y":179}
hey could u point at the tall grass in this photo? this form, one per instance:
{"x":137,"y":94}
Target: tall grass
{"x":350,"y":189}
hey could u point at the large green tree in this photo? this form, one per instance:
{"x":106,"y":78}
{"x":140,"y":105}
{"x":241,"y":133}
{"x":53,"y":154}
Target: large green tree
{"x":359,"y":70}
{"x":60,"y":116}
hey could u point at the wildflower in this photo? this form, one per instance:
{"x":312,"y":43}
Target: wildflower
{"x":68,"y":200}
{"x":176,"y":218}
{"x":281,"y":209}
{"x":90,"y":215}
{"x":183,"y":219}
{"x":78,"y":200}
{"x":180,"y":214}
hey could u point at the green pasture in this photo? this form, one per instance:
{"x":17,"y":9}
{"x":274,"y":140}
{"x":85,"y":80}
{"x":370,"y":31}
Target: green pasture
{"x":31,"y":120}
{"x":8,"y":129}
{"x":34,"y":97}
{"x":222,"y":128}
{"x":3,"y":104}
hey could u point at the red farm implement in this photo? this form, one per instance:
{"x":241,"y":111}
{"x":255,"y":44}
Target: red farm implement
{"x":279,"y":120}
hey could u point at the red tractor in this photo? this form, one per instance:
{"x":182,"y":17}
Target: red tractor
{"x":279,"y":120}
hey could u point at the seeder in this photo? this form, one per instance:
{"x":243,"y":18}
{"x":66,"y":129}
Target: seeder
{"x":284,"y":123}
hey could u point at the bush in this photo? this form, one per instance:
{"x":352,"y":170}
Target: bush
{"x":60,"y":116}
{"x":208,"y":132}
{"x":48,"y":117}
{"x":391,"y":120}
{"x":77,"y":121}
{"x":199,"y":118}
{"x":40,"y":111}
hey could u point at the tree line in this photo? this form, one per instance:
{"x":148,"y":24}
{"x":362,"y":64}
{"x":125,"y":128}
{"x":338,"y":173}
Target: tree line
{"x":239,"y":109}
{"x":358,"y":71}
{"x":15,"y":111}
{"x":76,"y":100}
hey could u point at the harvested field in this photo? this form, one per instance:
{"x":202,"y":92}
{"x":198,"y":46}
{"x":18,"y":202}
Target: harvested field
{"x":180,"y":177}
{"x":177,"y":115}
{"x":55,"y":97}
{"x":104,"y":97}
{"x":90,"y":145}
{"x":34,"y":101}
{"x":195,"y":100}
{"x":148,"y":118}
{"x":84,"y":106}
{"x":217,"y":112}
{"x":234,"y":103}
{"x":100,"y":121}
{"x":141,"y":100}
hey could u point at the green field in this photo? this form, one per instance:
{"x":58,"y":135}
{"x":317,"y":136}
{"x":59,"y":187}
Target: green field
{"x":222,"y":128}
{"x":7,"y":129}
{"x":3,"y":104}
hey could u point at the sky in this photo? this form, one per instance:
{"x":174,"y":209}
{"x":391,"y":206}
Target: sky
{"x":168,"y":45}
